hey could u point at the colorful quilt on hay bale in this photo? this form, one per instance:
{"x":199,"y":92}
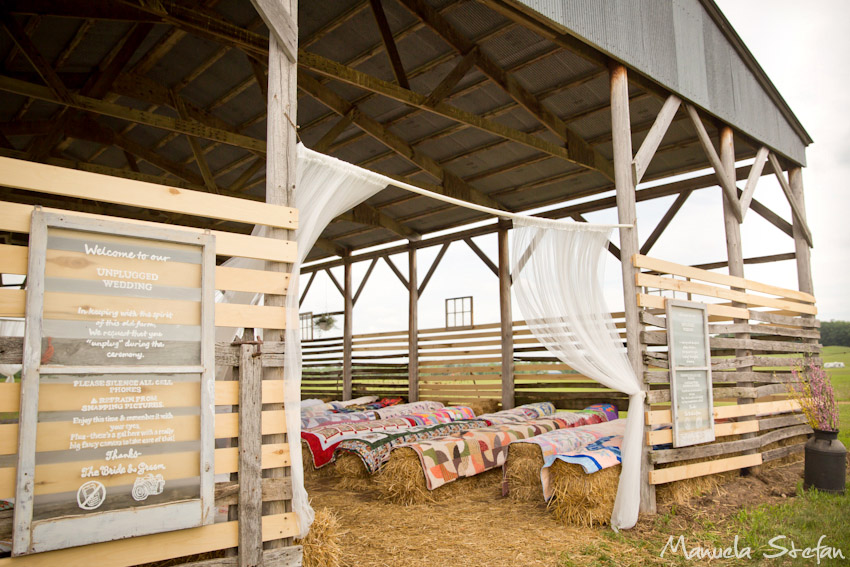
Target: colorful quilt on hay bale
{"x":374,"y":448}
{"x":333,"y":417}
{"x":449,"y":458}
{"x":593,"y":447}
{"x":323,"y":440}
{"x":520,"y":413}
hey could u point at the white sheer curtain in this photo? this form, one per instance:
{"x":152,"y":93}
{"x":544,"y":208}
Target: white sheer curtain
{"x":557,"y":277}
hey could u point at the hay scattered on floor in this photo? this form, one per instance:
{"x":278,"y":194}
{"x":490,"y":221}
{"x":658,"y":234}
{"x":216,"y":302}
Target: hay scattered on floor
{"x":322,"y":547}
{"x":522,"y":472}
{"x":581,"y":499}
{"x":402,"y":481}
{"x":351,"y":473}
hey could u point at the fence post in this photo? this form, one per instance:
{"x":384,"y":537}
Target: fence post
{"x":250,"y":467}
{"x":412,"y":327}
{"x":506,"y":318}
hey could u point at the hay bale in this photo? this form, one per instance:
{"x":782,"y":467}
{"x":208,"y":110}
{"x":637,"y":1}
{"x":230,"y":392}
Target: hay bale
{"x":522,"y":472}
{"x":311,"y":472}
{"x":402,"y":481}
{"x":351,"y":473}
{"x":480,"y":407}
{"x":322,"y":547}
{"x":581,"y":499}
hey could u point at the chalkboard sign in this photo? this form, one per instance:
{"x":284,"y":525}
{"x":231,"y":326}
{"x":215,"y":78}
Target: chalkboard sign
{"x":690,"y":373}
{"x":116,"y":425}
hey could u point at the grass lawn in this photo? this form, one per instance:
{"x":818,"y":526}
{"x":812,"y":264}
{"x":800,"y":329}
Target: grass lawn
{"x":841,"y":384}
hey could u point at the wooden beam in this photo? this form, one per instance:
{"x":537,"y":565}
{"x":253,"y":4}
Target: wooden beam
{"x":331,"y":135}
{"x":506,"y":319}
{"x":656,"y":134}
{"x":665,"y":221}
{"x":280,"y":23}
{"x":259,"y":76}
{"x":247,"y":174}
{"x":389,"y":43}
{"x":727,"y":184}
{"x":364,"y":280}
{"x":412,"y":325}
{"x":335,"y":282}
{"x":133,"y":115}
{"x":433,"y":267}
{"x":307,"y":288}
{"x":200,"y":159}
{"x":396,"y":271}
{"x":626,"y":214}
{"x":55,"y":85}
{"x":335,"y":70}
{"x":755,"y":173}
{"x":451,"y":184}
{"x":612,"y":248}
{"x":580,"y":151}
{"x":799,"y":215}
{"x":369,"y":215}
{"x":250,"y":449}
{"x":755,"y":260}
{"x":480,"y":253}
{"x":451,"y":80}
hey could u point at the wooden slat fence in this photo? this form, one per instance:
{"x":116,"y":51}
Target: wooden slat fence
{"x":758,"y":334}
{"x":263,"y":427}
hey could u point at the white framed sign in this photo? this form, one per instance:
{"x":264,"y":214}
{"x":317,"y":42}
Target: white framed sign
{"x":689,"y":355}
{"x":117,"y":404}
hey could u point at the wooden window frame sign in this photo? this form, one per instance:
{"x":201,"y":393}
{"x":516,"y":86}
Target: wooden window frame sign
{"x":189,"y":500}
{"x":683,"y":434}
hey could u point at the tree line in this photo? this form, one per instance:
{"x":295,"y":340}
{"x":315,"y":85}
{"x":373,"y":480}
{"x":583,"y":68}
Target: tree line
{"x":835,"y":333}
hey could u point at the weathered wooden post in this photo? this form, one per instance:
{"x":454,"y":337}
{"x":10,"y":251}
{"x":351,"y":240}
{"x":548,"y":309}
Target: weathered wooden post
{"x":506,"y":318}
{"x":412,"y":327}
{"x":281,"y":17}
{"x":347,"y":331}
{"x":801,"y":246}
{"x":625,"y":188}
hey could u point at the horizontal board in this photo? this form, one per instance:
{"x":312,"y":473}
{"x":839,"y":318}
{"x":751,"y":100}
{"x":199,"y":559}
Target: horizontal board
{"x":648,"y":280}
{"x":16,"y":218}
{"x":54,"y":180}
{"x":749,"y":443}
{"x":656,"y":302}
{"x":227,"y":424}
{"x":661,"y":396}
{"x":157,"y":547}
{"x":226,"y":461}
{"x":663,"y":476}
{"x":663,"y":266}
{"x":661,"y":417}
{"x":253,"y":316}
{"x":665,"y":436}
{"x":13,"y":260}
{"x":227,"y":392}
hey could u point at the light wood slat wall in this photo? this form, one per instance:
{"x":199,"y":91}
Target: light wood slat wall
{"x":13,"y":260}
{"x":780,"y":326}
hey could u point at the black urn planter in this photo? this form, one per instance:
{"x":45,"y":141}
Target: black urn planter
{"x":825,"y":466}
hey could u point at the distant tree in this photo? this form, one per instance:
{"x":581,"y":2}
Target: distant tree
{"x":835,"y":333}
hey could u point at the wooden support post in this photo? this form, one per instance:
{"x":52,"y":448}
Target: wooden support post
{"x":506,"y":318}
{"x":734,"y":252}
{"x":625,"y":188}
{"x":412,"y":328}
{"x":801,"y":246}
{"x":347,"y":330}
{"x":250,"y":449}
{"x":280,"y":190}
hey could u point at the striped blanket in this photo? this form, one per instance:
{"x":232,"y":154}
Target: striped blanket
{"x":594,"y":447}
{"x":448,"y":458}
{"x":323,"y":440}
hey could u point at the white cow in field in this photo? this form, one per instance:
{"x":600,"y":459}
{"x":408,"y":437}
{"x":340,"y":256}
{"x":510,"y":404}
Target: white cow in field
{"x":834,"y":365}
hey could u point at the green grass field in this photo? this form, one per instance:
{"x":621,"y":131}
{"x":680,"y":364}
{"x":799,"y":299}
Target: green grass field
{"x":841,"y":384}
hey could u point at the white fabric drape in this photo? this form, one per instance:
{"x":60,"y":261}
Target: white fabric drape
{"x":557,"y":277}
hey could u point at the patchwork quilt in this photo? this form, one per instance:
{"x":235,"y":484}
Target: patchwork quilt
{"x":520,"y":413}
{"x":323,"y":440}
{"x":374,"y":448}
{"x":594,"y":447}
{"x":333,"y":418}
{"x":448,"y":458}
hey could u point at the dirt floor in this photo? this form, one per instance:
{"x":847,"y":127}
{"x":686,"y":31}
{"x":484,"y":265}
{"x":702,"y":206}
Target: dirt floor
{"x":485,"y":529}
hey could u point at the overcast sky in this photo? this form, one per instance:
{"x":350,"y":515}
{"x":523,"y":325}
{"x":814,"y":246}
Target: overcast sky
{"x":802,"y":47}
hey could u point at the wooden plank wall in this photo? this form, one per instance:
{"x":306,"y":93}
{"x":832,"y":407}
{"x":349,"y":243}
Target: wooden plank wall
{"x":772,"y":325}
{"x":274,"y":455}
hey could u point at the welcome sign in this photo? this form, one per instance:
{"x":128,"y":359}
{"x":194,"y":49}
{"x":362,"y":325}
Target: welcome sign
{"x":116,"y":425}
